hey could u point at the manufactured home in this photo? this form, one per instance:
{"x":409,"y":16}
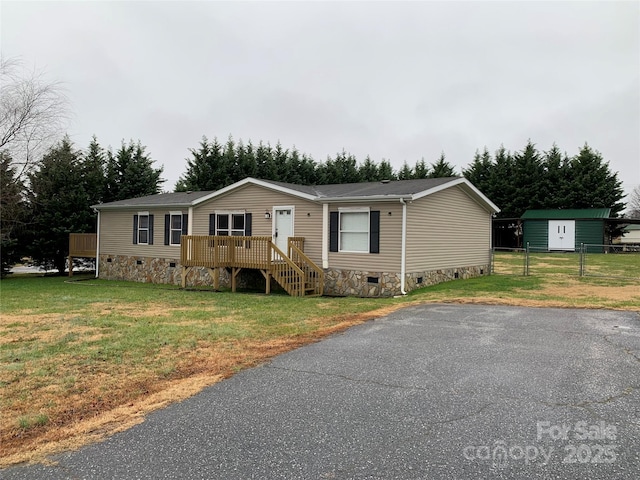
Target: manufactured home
{"x":367,"y":239}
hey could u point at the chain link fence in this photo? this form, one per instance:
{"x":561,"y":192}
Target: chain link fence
{"x":610,"y":261}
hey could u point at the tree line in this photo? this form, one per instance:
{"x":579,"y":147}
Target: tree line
{"x":214,"y":165}
{"x":530,"y":179}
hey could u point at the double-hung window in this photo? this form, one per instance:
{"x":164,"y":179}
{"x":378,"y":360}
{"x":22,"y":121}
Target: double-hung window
{"x":354,"y":230}
{"x":229,"y":223}
{"x":143,"y":228}
{"x":176,"y":229}
{"x":175,"y":225}
{"x":232,"y":224}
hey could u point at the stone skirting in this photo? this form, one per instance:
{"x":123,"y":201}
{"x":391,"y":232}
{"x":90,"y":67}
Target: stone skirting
{"x":169,"y":270}
{"x":336,"y":282}
{"x":381,"y":284}
{"x":361,"y":284}
{"x":153,"y":270}
{"x":423,"y":279}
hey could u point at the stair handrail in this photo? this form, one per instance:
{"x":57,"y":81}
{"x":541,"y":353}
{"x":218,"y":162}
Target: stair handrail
{"x":290,"y":263}
{"x":319,"y":279}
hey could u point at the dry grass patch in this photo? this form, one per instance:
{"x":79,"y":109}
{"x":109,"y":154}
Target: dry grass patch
{"x":75,"y":377}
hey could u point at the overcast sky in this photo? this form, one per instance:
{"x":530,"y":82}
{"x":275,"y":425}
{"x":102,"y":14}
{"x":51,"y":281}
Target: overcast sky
{"x":394,"y":80}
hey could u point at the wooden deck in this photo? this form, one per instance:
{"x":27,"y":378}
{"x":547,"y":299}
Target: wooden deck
{"x":293,"y":270}
{"x":81,"y":245}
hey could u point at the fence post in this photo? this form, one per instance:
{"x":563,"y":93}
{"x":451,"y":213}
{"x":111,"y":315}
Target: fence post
{"x":581,"y":260}
{"x":526,"y":261}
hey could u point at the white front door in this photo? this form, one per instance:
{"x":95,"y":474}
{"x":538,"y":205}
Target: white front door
{"x":282,"y":226}
{"x":562,"y":235}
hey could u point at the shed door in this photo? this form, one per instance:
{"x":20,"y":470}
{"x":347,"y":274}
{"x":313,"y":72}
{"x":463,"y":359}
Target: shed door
{"x":562,"y":235}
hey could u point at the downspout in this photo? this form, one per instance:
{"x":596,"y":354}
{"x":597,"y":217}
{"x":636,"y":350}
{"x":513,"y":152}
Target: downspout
{"x":325,"y":235}
{"x":403,"y":254}
{"x":98,"y":246}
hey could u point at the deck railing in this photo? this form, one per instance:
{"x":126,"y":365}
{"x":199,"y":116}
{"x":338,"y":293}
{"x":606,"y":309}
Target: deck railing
{"x":295,"y":272}
{"x":223,"y":251}
{"x":83,"y":245}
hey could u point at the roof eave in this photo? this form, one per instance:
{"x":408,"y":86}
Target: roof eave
{"x":101,"y":206}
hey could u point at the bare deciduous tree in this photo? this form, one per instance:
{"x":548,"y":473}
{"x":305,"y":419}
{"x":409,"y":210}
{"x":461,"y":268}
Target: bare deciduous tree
{"x":33,"y":114}
{"x":633,"y":207}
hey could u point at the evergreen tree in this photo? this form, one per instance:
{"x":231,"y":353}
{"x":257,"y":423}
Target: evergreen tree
{"x":480,"y":171}
{"x":267,"y":168}
{"x":592,"y":184}
{"x":385,"y":171}
{"x":280,"y":159}
{"x":244,"y":163}
{"x":555,"y":184}
{"x":308,"y":170}
{"x":368,"y":171}
{"x":12,"y":214}
{"x":130,"y":173}
{"x":406,"y":172}
{"x":94,"y":172}
{"x":441,"y":168}
{"x":421,"y":170}
{"x":58,"y":205}
{"x":503,"y":189}
{"x":527,"y":177}
{"x":202,"y":169}
{"x":299,"y":169}
{"x":342,"y":169}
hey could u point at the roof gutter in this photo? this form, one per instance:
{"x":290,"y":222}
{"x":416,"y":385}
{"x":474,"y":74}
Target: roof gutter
{"x":141,"y":205}
{"x":403,"y":254}
{"x":368,"y":198}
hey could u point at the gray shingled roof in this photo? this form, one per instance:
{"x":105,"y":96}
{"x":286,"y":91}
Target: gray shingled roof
{"x":178,"y":199}
{"x":392,"y":189}
{"x":367,"y":189}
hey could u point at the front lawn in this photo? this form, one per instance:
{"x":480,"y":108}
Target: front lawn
{"x":82,"y":359}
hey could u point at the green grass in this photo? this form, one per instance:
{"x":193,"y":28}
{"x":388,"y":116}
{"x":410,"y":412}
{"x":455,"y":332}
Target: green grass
{"x":622,"y":265}
{"x":614,"y":265}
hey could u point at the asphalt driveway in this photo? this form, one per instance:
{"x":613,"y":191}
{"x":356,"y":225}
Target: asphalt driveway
{"x":428,"y":392}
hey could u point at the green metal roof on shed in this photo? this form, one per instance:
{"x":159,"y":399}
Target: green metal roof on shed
{"x":567,"y":214}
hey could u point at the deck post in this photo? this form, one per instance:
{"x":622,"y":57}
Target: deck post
{"x":234,"y":272}
{"x":185,"y":271}
{"x":267,"y":276}
{"x":215,"y":274}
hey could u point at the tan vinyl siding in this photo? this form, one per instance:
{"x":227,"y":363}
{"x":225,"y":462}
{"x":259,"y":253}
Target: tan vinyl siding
{"x":388,"y":260}
{"x":116,"y":234}
{"x":257,"y":200}
{"x":446,"y":230}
